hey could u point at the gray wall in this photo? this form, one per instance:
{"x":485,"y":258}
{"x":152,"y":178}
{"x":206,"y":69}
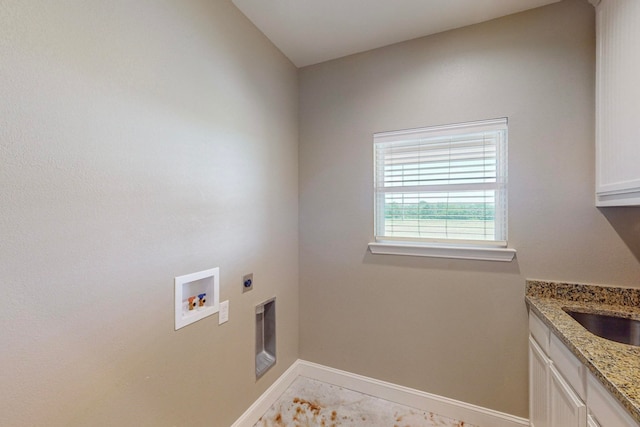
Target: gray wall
{"x":140,"y":140}
{"x":144,"y":140}
{"x":452,"y":327}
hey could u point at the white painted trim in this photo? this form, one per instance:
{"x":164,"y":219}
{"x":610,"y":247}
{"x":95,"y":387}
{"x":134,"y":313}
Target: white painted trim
{"x":450,"y":129}
{"x":268,"y":398}
{"x":629,"y":197}
{"x":473,"y":414}
{"x":437,"y":251}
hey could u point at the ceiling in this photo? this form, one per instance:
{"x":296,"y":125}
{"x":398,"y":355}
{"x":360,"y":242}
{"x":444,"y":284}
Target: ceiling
{"x":313,"y":31}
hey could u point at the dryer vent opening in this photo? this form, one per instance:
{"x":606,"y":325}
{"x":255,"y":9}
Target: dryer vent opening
{"x":265,"y":336}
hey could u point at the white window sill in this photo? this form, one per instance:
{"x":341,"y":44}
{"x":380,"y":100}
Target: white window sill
{"x":443,"y":251}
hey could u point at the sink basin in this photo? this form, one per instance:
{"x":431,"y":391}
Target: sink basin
{"x":619,"y":329}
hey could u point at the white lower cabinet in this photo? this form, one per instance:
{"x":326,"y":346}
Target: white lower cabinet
{"x":591,"y":422}
{"x":565,"y":407}
{"x":539,"y":365}
{"x":561,"y":391}
{"x":604,"y":410}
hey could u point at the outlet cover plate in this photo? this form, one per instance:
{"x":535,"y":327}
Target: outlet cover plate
{"x":223,"y":316}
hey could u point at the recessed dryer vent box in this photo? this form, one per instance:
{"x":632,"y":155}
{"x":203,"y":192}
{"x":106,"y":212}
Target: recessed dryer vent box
{"x":197,"y":296}
{"x":265,"y":336}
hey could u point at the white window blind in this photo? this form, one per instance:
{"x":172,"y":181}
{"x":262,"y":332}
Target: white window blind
{"x":444,"y":184}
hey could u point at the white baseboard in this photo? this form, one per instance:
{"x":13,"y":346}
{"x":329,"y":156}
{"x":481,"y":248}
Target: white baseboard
{"x":451,"y":408}
{"x":269,"y":397}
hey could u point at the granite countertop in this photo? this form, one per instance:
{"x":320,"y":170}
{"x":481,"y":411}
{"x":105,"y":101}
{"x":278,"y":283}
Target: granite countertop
{"x":616,"y":365}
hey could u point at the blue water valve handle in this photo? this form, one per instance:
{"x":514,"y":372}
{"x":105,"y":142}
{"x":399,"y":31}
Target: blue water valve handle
{"x":247,"y":283}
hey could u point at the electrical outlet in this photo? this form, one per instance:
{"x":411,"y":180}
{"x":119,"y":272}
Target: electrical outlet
{"x":247,"y":282}
{"x":223,"y":315}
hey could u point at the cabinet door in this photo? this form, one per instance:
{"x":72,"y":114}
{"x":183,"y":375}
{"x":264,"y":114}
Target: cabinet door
{"x":604,"y":408}
{"x":538,"y":385}
{"x":617,"y":103}
{"x":565,"y":407}
{"x":591,"y":422}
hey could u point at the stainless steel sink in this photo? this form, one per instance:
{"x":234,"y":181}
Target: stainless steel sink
{"x":619,"y":329}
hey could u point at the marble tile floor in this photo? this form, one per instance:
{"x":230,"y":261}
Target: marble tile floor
{"x":311,"y":403}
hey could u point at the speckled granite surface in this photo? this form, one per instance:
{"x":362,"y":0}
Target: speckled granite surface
{"x":616,"y":365}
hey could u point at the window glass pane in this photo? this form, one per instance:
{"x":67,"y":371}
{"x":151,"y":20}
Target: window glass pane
{"x":446,"y":183}
{"x":463,"y":216}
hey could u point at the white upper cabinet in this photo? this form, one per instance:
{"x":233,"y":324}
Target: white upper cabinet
{"x":618,"y":103}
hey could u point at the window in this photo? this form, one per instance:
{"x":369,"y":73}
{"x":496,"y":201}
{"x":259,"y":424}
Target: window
{"x":442,"y":187}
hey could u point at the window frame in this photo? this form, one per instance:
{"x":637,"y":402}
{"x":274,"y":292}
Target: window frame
{"x":493,"y":250}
